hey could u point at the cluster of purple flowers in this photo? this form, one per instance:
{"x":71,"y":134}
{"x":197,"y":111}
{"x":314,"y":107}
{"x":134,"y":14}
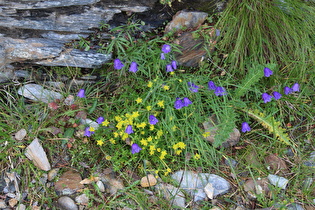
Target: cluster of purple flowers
{"x":276,"y":95}
{"x":119,"y":65}
{"x":180,"y":103}
{"x":218,"y":90}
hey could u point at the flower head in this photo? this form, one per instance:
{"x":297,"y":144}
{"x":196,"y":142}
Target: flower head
{"x":276,"y":95}
{"x":100,"y":142}
{"x":220,"y":91}
{"x":153,"y":120}
{"x":174,"y":64}
{"x":162,"y":56}
{"x":267,"y":72}
{"x":129,"y":129}
{"x":296,"y":87}
{"x":178,"y":104}
{"x":166,"y":48}
{"x":266,"y":97}
{"x":245,"y":127}
{"x":135,"y":148}
{"x":287,"y":90}
{"x":211,"y":85}
{"x":88,"y":132}
{"x":169,"y":68}
{"x":100,"y":120}
{"x":118,"y":64}
{"x":186,"y":101}
{"x":192,"y":87}
{"x":81,"y":93}
{"x":133,"y":67}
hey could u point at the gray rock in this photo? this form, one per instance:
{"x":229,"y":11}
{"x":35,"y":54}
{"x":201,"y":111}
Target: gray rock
{"x":194,"y":184}
{"x":100,"y":186}
{"x":66,"y":203}
{"x":38,"y":93}
{"x":22,"y":74}
{"x":295,"y":206}
{"x":7,"y":75}
{"x":278,"y":181}
{"x":20,"y":134}
{"x":36,"y":153}
{"x":173,"y":194}
{"x":21,"y":207}
{"x":82,"y":199}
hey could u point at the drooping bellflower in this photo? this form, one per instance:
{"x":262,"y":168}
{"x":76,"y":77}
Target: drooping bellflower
{"x":266,"y":97}
{"x":245,"y":127}
{"x":192,"y":87}
{"x":135,"y":148}
{"x":296,"y":87}
{"x":178,"y":104}
{"x":87,"y":132}
{"x":100,"y":120}
{"x":220,"y":91}
{"x":169,"y":68}
{"x":276,"y":95}
{"x":287,"y":90}
{"x":186,"y":101}
{"x":174,"y":65}
{"x":133,"y":67}
{"x":153,"y":120}
{"x":118,"y":64}
{"x":162,"y":56}
{"x":129,"y":129}
{"x":81,"y":93}
{"x":166,"y":48}
{"x":267,"y":72}
{"x":211,"y":85}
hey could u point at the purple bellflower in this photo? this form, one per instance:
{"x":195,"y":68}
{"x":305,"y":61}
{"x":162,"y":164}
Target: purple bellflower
{"x":135,"y":148}
{"x":174,"y":65}
{"x":162,"y":56}
{"x":267,"y":72}
{"x":169,"y":68}
{"x":296,"y":87}
{"x":118,"y":64}
{"x":211,"y":85}
{"x":166,"y":48}
{"x":133,"y":67}
{"x":186,"y":101}
{"x":100,"y":120}
{"x":245,"y":127}
{"x":192,"y":87}
{"x":220,"y":91}
{"x":87,"y":132}
{"x":153,"y":120}
{"x":178,"y":103}
{"x":287,"y":90}
{"x":81,"y":93}
{"x":266,"y":97}
{"x":129,"y":129}
{"x":276,"y":95}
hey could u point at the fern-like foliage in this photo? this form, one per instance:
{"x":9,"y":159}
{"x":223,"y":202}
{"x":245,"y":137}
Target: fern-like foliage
{"x":252,"y":77}
{"x":272,"y":126}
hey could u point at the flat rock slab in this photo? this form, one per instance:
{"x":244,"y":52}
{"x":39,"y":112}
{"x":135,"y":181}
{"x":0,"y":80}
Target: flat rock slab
{"x":38,"y":93}
{"x":69,"y":183}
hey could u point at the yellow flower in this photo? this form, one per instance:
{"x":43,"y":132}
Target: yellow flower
{"x":124,"y":136}
{"x":172,"y":73}
{"x":160,"y":104}
{"x":158,"y":149}
{"x":100,"y":142}
{"x":108,"y":157}
{"x":149,"y":139}
{"x":169,"y":170}
{"x":142,"y":132}
{"x":119,"y":125}
{"x":196,"y":156}
{"x":150,"y":84}
{"x":105,"y":123}
{"x":151,"y":127}
{"x":181,"y":145}
{"x":118,"y":118}
{"x":178,"y":152}
{"x":163,"y":153}
{"x":115,"y":134}
{"x":113,"y":141}
{"x":144,"y":142}
{"x":206,"y":134}
{"x":149,"y":108}
{"x":141,"y":125}
{"x":135,"y":114}
{"x":91,"y":129}
{"x":174,"y":128}
{"x":166,"y":87}
{"x":180,"y":80}
{"x":139,"y":100}
{"x":159,"y":133}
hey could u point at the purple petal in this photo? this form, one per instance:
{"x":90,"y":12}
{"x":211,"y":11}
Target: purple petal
{"x":81,"y":93}
{"x":135,"y":148}
{"x":245,"y":127}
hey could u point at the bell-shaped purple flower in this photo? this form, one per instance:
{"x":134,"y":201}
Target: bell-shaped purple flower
{"x":87,"y":132}
{"x":129,"y":129}
{"x":153,"y":120}
{"x":266,"y":97}
{"x":162,"y":56}
{"x":296,"y":87}
{"x":220,"y":91}
{"x":118,"y":64}
{"x":178,"y":103}
{"x":245,"y":127}
{"x":287,"y":90}
{"x":169,"y":68}
{"x":186,"y":101}
{"x":133,"y":67}
{"x":166,"y":48}
{"x":211,"y":85}
{"x":100,"y":120}
{"x":267,"y":72}
{"x":174,"y":65}
{"x":192,"y":87}
{"x":135,"y":148}
{"x":276,"y":95}
{"x":81,"y":93}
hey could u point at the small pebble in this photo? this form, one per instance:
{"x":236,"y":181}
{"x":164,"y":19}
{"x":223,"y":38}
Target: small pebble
{"x":82,"y":199}
{"x":67,"y":203}
{"x":148,"y":181}
{"x":20,"y":134}
{"x":278,"y":181}
{"x":21,"y":207}
{"x":100,"y":186}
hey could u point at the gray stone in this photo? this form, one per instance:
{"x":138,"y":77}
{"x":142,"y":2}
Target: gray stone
{"x":38,"y":93}
{"x":173,"y":194}
{"x":36,"y":153}
{"x":295,"y":206}
{"x":21,"y":207}
{"x":194,"y":184}
{"x":20,"y":134}
{"x":66,"y":203}
{"x":278,"y":181}
{"x":100,"y":186}
{"x":82,"y":199}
